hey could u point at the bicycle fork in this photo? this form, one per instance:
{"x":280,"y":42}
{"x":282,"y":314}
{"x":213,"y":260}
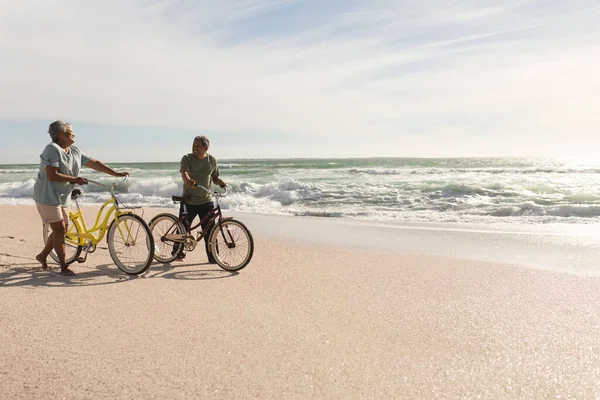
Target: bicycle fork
{"x":227,"y":237}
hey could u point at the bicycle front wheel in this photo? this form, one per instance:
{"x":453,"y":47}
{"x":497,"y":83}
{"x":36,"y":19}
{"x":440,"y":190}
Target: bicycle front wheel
{"x":232,"y":245}
{"x":130,"y":244}
{"x":165,"y":248}
{"x":72,"y":247}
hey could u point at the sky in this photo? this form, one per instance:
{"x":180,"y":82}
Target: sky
{"x":138,"y":79}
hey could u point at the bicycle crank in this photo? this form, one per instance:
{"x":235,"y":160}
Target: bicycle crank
{"x":190,"y":243}
{"x":89,"y":248}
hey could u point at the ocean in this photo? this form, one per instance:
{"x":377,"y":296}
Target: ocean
{"x":470,"y":190}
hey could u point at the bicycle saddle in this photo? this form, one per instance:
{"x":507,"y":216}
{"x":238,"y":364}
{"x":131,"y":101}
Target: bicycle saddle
{"x":75,"y":194}
{"x":181,"y":198}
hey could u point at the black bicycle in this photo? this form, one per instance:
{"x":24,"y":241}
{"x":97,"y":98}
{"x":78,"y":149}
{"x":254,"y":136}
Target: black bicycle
{"x":230,"y":241}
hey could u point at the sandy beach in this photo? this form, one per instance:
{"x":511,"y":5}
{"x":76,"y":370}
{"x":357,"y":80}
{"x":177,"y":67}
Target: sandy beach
{"x":326,"y":309}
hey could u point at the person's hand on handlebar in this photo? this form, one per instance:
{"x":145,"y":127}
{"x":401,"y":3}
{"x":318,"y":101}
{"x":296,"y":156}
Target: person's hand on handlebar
{"x":80,"y":181}
{"x":122,"y":174}
{"x":191,"y":182}
{"x":220,"y":182}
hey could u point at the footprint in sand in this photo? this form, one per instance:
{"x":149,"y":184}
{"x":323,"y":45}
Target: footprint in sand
{"x":12,"y":237}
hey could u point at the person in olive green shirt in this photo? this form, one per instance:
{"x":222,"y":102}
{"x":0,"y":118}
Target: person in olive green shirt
{"x":199,"y":168}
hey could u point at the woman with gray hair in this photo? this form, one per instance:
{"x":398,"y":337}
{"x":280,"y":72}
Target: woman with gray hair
{"x":60,"y":163}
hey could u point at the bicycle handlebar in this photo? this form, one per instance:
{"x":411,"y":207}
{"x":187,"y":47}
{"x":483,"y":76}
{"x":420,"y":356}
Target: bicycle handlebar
{"x":112,"y":184}
{"x":214,"y":192}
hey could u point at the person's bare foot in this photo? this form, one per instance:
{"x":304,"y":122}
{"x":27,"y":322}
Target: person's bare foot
{"x":66,"y":272}
{"x":42,"y":260}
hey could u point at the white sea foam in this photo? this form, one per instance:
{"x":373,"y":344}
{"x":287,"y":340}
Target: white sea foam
{"x":453,"y":190}
{"x":161,"y":187}
{"x":17,"y":190}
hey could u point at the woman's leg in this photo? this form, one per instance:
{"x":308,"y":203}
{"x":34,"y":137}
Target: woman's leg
{"x":56,"y":241}
{"x":46,"y":251}
{"x":58,"y":236}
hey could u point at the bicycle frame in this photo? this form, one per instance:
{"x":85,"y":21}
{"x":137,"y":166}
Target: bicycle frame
{"x":101,"y":225}
{"x":209,"y":218}
{"x":88,"y":235}
{"x":213,"y":216}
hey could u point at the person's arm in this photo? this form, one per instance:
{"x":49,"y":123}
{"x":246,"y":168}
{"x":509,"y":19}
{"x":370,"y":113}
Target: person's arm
{"x":50,"y":159}
{"x":101,"y":167}
{"x":184,"y":170}
{"x":219,"y":181}
{"x":186,"y":178}
{"x":215,"y":175}
{"x":55,"y":176}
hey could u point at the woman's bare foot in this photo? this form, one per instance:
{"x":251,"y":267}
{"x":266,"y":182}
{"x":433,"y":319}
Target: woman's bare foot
{"x":42,"y":261}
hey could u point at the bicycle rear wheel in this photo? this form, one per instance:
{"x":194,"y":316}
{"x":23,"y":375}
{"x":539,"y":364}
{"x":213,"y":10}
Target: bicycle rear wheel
{"x":165,"y":249}
{"x":72,"y":247}
{"x":232,"y":245}
{"x":130,"y":244}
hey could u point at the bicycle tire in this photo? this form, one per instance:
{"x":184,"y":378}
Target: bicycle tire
{"x":72,"y":247}
{"x":232,"y":245}
{"x":166,"y":251}
{"x":131,"y":246}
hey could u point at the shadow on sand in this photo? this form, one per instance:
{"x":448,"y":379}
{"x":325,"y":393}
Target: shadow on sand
{"x":30,"y":274}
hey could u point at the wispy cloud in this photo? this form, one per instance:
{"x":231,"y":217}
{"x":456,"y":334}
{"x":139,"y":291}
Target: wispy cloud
{"x":405,"y":74}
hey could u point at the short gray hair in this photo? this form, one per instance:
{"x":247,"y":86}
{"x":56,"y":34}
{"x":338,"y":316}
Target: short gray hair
{"x":203,"y":139}
{"x":56,"y":128}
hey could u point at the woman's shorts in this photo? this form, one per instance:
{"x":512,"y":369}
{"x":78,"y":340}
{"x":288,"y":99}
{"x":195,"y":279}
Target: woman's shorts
{"x":51,"y":214}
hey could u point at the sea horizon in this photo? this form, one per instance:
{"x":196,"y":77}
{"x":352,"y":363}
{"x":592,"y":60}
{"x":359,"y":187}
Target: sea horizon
{"x":582,"y":159}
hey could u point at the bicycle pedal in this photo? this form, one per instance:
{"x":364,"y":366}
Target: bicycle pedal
{"x":81,"y":260}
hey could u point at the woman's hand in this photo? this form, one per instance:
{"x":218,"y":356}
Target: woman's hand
{"x":122,"y":174}
{"x":80,"y":181}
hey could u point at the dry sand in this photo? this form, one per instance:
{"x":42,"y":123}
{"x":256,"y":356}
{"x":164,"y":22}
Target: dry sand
{"x":303,"y":320}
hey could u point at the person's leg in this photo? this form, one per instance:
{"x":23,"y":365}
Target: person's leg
{"x":206,"y":228}
{"x":59,"y":230}
{"x":58,"y":244}
{"x":192,"y":212}
{"x":57,"y":218}
{"x":43,"y":256}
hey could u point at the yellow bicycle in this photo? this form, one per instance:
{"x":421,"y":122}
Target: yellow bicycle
{"x":129,"y":239}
